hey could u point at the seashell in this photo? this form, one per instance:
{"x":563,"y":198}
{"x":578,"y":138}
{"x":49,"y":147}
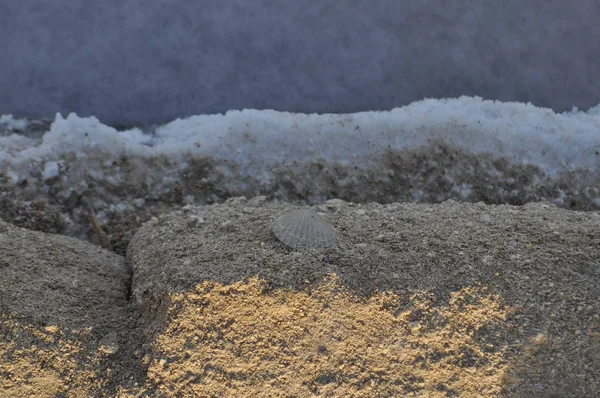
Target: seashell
{"x":304,"y":228}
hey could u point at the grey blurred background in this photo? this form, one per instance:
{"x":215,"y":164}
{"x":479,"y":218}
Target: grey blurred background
{"x":140,"y":62}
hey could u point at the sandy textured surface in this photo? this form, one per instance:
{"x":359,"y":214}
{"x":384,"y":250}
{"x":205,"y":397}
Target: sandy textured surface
{"x":449,"y":300}
{"x":66,"y":326}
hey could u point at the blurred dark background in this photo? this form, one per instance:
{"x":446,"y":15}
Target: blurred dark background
{"x":140,"y":62}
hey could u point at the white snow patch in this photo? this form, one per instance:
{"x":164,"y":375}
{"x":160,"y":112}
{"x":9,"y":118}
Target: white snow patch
{"x":51,"y":170}
{"x":256,"y":140}
{"x":12,"y":124}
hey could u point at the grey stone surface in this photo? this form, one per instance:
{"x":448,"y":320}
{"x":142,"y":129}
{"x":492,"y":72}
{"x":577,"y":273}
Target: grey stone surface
{"x":542,"y":261}
{"x":58,"y":280}
{"x":150,"y":61}
{"x":394,"y":246}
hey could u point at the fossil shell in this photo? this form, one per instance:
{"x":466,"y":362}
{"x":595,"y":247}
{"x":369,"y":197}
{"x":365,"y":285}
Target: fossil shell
{"x":304,"y":228}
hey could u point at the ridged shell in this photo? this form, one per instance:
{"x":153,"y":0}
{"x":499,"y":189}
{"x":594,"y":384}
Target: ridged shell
{"x":304,"y":228}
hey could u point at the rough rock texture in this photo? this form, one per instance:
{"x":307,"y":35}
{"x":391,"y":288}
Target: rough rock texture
{"x":448,"y":300}
{"x":537,"y":266}
{"x":65,"y":319}
{"x":60,"y":280}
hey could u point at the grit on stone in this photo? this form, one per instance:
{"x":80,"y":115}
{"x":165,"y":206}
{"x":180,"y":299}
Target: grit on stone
{"x":417,"y":300}
{"x":66,"y":326}
{"x":429,"y":300}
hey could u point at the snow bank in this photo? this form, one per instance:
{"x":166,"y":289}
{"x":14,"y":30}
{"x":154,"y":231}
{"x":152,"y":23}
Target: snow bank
{"x":258,"y":140}
{"x":432,"y":150}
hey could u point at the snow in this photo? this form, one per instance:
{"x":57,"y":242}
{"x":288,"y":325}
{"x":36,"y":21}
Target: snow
{"x":51,"y":170}
{"x":11,"y":124}
{"x":259,"y":139}
{"x":464,"y":148}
